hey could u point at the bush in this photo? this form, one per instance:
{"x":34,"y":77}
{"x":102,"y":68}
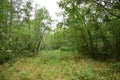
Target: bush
{"x":4,"y":57}
{"x":65,"y":49}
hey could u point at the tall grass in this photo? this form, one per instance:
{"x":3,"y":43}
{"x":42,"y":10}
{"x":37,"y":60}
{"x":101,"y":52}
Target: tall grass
{"x":58,"y":65}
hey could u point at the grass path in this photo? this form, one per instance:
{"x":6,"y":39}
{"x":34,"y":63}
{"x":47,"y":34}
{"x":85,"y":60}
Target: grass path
{"x":57,"y":65}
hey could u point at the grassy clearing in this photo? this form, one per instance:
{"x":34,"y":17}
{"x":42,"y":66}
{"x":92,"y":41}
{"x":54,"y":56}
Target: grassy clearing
{"x":58,"y":65}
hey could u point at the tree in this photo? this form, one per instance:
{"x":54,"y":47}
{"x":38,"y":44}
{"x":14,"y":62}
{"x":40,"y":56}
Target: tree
{"x":88,"y":20}
{"x":42,"y":23}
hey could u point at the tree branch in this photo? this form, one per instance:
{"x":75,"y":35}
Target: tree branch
{"x":113,"y":14}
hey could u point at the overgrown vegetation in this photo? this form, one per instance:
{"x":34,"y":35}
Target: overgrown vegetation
{"x":93,"y":25}
{"x":89,"y":31}
{"x":58,"y":65}
{"x":19,"y":34}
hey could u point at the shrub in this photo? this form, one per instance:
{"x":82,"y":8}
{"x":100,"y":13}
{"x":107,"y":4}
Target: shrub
{"x":65,"y":49}
{"x":4,"y":57}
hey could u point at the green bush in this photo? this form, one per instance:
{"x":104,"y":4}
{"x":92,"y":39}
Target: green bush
{"x":4,"y":57}
{"x":65,"y":49}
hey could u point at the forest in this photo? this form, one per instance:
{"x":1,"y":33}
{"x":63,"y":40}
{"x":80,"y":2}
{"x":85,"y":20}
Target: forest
{"x":85,"y":45}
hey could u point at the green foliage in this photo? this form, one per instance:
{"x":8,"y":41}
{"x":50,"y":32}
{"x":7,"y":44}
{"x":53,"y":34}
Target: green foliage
{"x":56,"y":64}
{"x":19,"y":35}
{"x":42,"y":24}
{"x":65,"y":49}
{"x":89,"y":27}
{"x":116,"y":67}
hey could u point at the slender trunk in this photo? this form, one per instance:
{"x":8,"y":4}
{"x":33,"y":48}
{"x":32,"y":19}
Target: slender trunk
{"x":40,"y":38}
{"x":11,"y":16}
{"x":29,"y":45}
{"x":85,"y":41}
{"x":91,"y":45}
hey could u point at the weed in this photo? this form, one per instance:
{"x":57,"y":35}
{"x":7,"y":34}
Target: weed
{"x":58,"y":65}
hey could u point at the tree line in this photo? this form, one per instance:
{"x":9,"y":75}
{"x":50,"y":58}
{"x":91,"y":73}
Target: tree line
{"x":93,"y":27}
{"x":19,"y":34}
{"x":89,"y":27}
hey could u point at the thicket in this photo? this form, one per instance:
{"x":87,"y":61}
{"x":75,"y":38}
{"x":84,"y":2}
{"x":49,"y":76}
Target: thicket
{"x":93,"y":27}
{"x":19,"y":34}
{"x":89,"y":27}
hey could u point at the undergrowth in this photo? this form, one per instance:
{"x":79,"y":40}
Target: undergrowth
{"x":58,"y":65}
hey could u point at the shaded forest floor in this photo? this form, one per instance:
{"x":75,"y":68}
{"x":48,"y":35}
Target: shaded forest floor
{"x":58,"y":65}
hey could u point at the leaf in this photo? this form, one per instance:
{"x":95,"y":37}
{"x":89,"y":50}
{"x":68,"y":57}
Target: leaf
{"x":9,"y":51}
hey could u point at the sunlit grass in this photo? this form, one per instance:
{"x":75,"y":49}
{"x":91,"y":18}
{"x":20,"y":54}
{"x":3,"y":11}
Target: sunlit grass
{"x":58,"y":65}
